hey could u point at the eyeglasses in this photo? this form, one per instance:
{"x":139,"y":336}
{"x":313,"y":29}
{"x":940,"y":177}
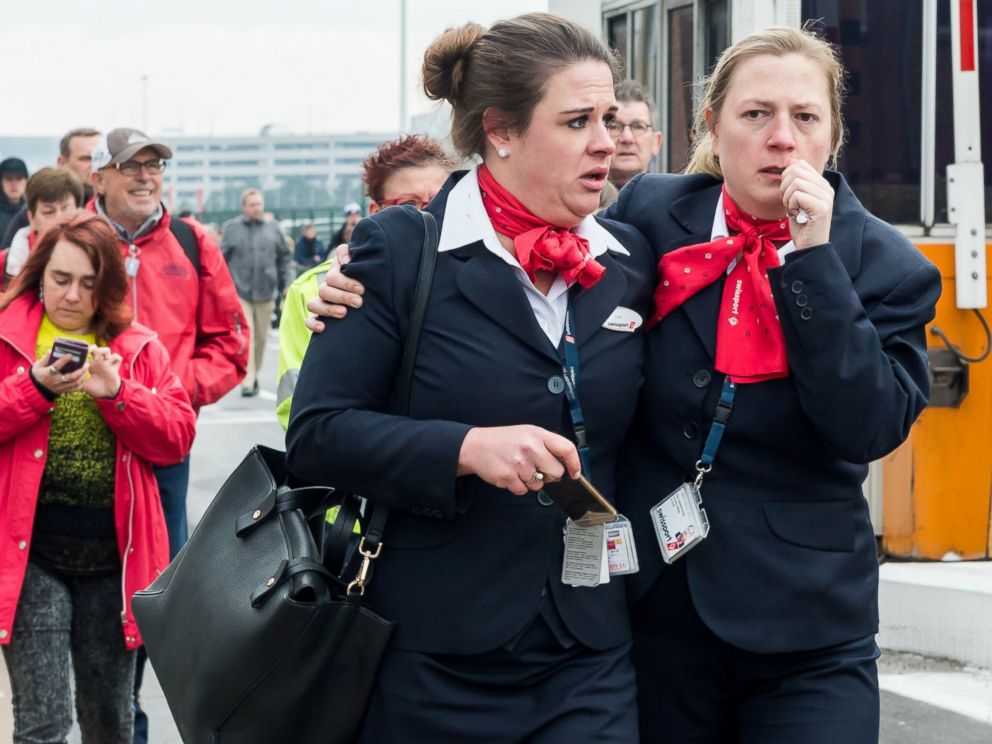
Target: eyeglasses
{"x":405,"y":201}
{"x":133,"y":167}
{"x":637,"y":128}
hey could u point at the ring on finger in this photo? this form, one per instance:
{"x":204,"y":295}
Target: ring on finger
{"x":63,"y":379}
{"x":52,"y":371}
{"x":536,"y":478}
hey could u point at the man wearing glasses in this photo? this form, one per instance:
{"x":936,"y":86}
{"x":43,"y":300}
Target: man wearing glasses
{"x":633,"y":130}
{"x":180,"y":288}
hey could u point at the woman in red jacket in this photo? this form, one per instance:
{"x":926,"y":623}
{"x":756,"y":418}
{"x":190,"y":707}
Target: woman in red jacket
{"x":81,"y":524}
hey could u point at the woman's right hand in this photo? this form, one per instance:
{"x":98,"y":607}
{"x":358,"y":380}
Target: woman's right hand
{"x":51,"y":377}
{"x":510,"y":456}
{"x":336,"y":294}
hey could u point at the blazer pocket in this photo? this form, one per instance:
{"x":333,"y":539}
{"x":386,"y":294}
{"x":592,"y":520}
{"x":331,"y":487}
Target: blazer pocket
{"x":825,"y":525}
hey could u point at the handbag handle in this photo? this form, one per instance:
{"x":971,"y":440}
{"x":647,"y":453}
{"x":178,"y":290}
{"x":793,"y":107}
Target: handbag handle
{"x":371,"y":542}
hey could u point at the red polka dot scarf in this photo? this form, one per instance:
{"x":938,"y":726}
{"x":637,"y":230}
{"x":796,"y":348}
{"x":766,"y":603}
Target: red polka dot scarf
{"x":750,"y":346}
{"x":538,"y":244}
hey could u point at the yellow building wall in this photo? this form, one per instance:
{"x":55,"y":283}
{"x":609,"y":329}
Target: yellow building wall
{"x":937,"y":487}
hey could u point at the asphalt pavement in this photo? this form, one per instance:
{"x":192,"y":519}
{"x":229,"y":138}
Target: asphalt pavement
{"x":229,"y":428}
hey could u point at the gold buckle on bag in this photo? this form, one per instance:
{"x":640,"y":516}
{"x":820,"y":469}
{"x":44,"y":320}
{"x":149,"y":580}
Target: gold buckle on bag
{"x":363,"y":570}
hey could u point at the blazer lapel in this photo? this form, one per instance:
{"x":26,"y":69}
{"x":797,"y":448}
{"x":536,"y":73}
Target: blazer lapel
{"x":488,"y":282}
{"x":694,"y":214}
{"x":593,"y":306}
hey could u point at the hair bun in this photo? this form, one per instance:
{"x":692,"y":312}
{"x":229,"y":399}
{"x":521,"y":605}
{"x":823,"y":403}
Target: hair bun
{"x":445,"y":61}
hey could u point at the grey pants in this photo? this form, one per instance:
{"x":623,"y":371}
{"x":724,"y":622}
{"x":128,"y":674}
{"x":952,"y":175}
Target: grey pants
{"x":61,"y":619}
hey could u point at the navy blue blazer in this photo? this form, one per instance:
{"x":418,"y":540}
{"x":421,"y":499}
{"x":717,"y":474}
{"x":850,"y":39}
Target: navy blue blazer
{"x":790,"y":562}
{"x":465,"y":565}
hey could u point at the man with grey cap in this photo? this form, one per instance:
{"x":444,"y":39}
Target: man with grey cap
{"x":14,"y":181}
{"x":179,"y":287}
{"x":352,"y":214}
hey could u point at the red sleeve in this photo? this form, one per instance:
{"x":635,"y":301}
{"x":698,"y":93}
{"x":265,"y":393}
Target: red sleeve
{"x":220,"y":357}
{"x":151,"y":414}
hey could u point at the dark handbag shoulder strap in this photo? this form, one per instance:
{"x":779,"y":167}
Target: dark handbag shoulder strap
{"x":338,"y":543}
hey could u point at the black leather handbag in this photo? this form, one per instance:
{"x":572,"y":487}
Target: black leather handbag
{"x":253,"y":636}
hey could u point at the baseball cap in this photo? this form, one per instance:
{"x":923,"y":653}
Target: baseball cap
{"x":13,"y":167}
{"x":119,"y":145}
{"x":352,"y":208}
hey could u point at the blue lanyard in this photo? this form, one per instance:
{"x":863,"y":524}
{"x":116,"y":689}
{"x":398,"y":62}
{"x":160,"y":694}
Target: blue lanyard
{"x":723,"y":408}
{"x":570,"y":371}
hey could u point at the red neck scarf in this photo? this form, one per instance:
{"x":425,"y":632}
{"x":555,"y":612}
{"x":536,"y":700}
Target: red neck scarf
{"x":538,"y":245}
{"x":750,"y":346}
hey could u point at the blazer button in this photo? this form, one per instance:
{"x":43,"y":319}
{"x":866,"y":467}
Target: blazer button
{"x":806,"y":313}
{"x":543,"y":499}
{"x":416,"y":510}
{"x":37,"y":454}
{"x":802,"y":300}
{"x":556,"y":385}
{"x":690,"y":430}
{"x":702,"y":378}
{"x":438,"y":513}
{"x":20,"y":370}
{"x":797,"y":287}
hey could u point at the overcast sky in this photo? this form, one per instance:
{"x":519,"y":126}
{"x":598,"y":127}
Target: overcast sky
{"x":219,"y":66}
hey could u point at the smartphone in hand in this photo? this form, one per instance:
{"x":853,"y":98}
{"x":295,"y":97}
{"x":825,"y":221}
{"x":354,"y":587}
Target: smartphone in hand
{"x":70,"y":347}
{"x":580,"y":500}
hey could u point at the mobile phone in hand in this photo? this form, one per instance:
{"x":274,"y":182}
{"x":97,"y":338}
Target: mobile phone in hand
{"x":580,"y":500}
{"x":70,"y":347}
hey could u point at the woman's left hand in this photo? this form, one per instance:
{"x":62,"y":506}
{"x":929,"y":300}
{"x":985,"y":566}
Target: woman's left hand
{"x":803,"y":187}
{"x":104,"y":380}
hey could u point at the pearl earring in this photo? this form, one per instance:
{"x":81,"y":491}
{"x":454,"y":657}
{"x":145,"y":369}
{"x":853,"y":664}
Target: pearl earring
{"x":41,"y":292}
{"x":502,"y":152}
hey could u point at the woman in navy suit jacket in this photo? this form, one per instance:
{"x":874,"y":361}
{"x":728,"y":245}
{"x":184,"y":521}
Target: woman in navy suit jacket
{"x":490,"y":644}
{"x":764,"y":632}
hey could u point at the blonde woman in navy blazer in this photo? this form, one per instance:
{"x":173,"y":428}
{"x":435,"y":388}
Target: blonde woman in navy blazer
{"x":764,"y":632}
{"x":490,"y":645}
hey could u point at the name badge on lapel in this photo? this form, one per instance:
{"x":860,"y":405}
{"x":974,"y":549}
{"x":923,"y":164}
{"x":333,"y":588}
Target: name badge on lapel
{"x":623,"y":319}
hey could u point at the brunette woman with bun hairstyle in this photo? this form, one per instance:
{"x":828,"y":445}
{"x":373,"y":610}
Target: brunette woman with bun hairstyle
{"x":496,"y":640}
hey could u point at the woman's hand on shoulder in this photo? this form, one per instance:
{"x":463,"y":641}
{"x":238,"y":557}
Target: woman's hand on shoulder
{"x":803,"y":187}
{"x":336,"y":294}
{"x":54,"y":380}
{"x":511,"y":456}
{"x":105,"y":379}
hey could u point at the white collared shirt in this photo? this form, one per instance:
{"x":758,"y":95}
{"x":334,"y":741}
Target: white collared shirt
{"x":466,"y":221}
{"x":720,"y":231}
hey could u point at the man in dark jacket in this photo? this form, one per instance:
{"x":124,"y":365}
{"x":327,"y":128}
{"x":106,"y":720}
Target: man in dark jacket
{"x":310,"y":249}
{"x":14,"y":180}
{"x":260,"y":264}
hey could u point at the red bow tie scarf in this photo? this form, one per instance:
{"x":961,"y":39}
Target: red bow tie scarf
{"x":750,"y":346}
{"x":538,"y":245}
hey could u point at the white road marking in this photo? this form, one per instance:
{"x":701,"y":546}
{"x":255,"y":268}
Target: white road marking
{"x":968,"y":693}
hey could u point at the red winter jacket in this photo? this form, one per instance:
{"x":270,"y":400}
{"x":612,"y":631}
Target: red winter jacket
{"x":198,"y":319}
{"x":153,"y":422}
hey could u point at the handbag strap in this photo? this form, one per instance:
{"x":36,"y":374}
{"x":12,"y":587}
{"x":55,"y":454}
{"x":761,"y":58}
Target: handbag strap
{"x":372,"y":539}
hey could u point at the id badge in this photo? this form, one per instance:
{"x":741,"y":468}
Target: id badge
{"x":584,"y":563}
{"x":621,"y":555}
{"x":680,"y":522}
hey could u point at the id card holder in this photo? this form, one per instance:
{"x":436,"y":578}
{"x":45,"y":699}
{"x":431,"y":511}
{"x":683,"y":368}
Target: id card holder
{"x":584,"y":562}
{"x":621,"y":554}
{"x":680,"y":522}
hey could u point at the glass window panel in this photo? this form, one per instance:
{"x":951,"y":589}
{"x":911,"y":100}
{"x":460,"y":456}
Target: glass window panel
{"x":680,"y":53}
{"x":616,"y":31}
{"x":644,"y":64}
{"x":717,"y":30}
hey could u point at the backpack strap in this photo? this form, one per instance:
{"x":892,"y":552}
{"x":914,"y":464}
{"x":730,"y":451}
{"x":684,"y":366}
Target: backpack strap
{"x":187,"y":239}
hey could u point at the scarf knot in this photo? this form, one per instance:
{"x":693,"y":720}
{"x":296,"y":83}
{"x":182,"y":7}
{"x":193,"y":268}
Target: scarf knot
{"x":538,"y":245}
{"x":750,"y":345}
